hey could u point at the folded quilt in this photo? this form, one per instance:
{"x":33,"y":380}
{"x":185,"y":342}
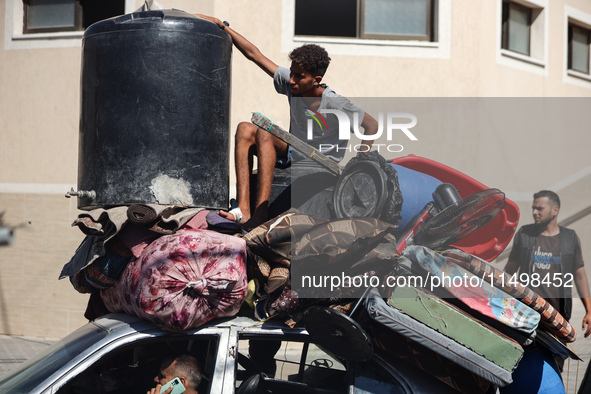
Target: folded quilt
{"x":551,"y":319}
{"x":475,"y":292}
{"x":100,"y":225}
{"x":103,"y":225}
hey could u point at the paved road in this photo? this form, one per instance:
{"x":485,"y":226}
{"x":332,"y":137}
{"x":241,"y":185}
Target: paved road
{"x":574,"y":370}
{"x":15,"y":350}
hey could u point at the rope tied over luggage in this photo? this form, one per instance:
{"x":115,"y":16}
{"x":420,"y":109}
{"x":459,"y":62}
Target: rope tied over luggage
{"x":197,"y":284}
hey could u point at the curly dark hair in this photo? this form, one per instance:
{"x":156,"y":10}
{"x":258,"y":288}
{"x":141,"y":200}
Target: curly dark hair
{"x":312,"y":58}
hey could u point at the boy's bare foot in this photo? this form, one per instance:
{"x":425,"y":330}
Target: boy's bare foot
{"x":236,"y":215}
{"x":246,"y":223}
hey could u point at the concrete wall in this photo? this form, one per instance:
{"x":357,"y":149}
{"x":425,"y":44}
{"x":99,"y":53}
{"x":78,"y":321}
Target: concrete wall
{"x":39,"y":114}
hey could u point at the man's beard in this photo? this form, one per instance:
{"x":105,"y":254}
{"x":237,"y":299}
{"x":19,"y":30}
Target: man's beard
{"x":543,"y":224}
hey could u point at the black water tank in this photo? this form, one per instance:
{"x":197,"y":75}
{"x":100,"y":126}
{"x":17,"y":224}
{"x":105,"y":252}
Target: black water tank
{"x":155,"y":111}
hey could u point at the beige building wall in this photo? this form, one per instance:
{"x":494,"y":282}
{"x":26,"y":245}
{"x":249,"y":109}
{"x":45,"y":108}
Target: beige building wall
{"x":39,"y":115}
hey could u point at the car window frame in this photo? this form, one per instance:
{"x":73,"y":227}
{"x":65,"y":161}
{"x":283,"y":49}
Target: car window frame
{"x":93,"y":355}
{"x":87,"y":358}
{"x":255,"y":331}
{"x":300,"y":335}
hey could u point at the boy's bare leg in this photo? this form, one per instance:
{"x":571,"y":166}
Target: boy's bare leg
{"x":250,"y":141}
{"x":268,"y":148}
{"x":244,"y":150}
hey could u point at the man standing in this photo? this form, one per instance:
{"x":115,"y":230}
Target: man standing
{"x":550,"y":255}
{"x":303,"y":79}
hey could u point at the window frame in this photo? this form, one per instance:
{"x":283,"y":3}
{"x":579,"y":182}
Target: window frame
{"x":506,"y":32}
{"x":572,"y":26}
{"x":580,"y":18}
{"x":111,"y":345}
{"x":125,"y":345}
{"x":77,"y":26}
{"x":15,"y":39}
{"x":536,"y":62}
{"x":440,"y":48}
{"x":309,"y":345}
{"x":297,"y":10}
{"x":430,"y":36}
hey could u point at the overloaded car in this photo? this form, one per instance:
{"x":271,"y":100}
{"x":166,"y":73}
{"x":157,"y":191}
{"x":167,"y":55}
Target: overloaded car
{"x":119,"y":353}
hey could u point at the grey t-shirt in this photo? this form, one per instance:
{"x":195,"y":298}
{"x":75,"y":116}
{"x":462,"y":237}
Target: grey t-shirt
{"x":546,"y":262}
{"x":318,"y":128}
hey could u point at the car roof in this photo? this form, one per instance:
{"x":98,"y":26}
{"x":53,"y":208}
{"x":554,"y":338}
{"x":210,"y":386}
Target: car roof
{"x":121,"y":321}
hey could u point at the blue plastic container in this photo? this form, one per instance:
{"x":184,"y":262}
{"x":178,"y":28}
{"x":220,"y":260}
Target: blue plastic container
{"x":417,"y":189}
{"x":536,"y":373}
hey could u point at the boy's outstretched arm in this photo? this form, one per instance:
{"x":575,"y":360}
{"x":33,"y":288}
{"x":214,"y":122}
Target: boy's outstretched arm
{"x":248,"y":49}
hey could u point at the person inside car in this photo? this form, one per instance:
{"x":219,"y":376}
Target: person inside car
{"x":184,"y":367}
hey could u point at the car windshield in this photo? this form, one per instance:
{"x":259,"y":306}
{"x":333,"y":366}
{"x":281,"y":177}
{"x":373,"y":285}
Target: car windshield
{"x":34,"y":371}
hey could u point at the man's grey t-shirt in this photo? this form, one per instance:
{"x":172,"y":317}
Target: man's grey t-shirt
{"x":546,"y":263}
{"x":324,"y":127}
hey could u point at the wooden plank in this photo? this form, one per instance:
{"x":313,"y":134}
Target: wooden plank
{"x":296,"y":143}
